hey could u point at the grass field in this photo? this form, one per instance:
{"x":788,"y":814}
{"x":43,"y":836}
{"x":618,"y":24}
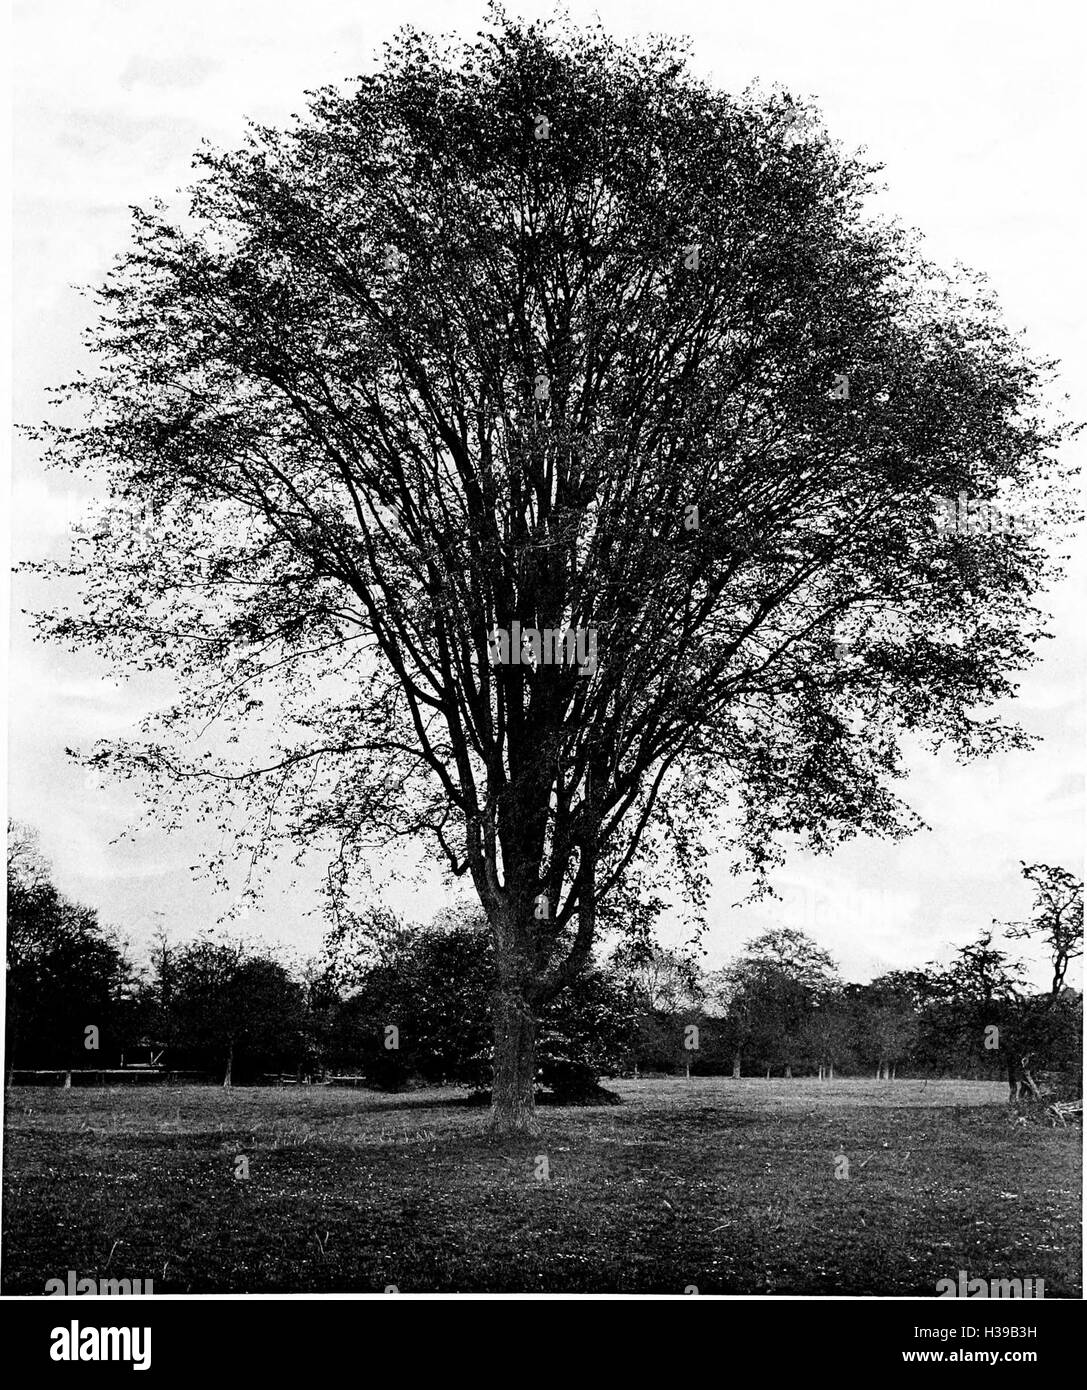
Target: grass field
{"x":726,"y":1185}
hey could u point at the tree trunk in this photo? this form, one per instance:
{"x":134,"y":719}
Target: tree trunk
{"x":768,"y":1073}
{"x":736,"y":1067}
{"x":821,"y":1071}
{"x":788,"y":1072}
{"x":513,"y":1097}
{"x":830,"y":1077}
{"x":228,"y":1079}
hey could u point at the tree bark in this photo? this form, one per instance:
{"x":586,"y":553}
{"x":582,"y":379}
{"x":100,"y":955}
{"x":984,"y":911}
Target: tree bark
{"x":513,"y":1096}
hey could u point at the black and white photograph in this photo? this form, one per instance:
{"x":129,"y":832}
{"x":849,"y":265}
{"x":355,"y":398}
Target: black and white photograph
{"x":545,"y":661}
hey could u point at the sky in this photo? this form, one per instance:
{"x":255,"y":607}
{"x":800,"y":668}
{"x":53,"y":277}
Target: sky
{"x":976,"y":111}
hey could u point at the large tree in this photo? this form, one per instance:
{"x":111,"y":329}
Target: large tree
{"x":541,"y":329}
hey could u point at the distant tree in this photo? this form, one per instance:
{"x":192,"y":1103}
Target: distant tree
{"x":885,"y":1020}
{"x":667,"y":993}
{"x":320,"y":1007}
{"x":662,"y":980}
{"x":65,"y":973}
{"x":359,"y":940}
{"x":983,"y":1009}
{"x":588,"y":1030}
{"x":826,"y":1033}
{"x":227,"y":1004}
{"x":1058,"y":918}
{"x":1050,"y":1027}
{"x":731,"y":995}
{"x":795,"y":955}
{"x":431,"y":986}
{"x":767,"y":996}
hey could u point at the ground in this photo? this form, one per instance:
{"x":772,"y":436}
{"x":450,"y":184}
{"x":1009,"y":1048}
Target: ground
{"x":726,"y":1186}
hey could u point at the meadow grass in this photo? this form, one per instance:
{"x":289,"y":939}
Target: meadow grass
{"x":727,"y":1186}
